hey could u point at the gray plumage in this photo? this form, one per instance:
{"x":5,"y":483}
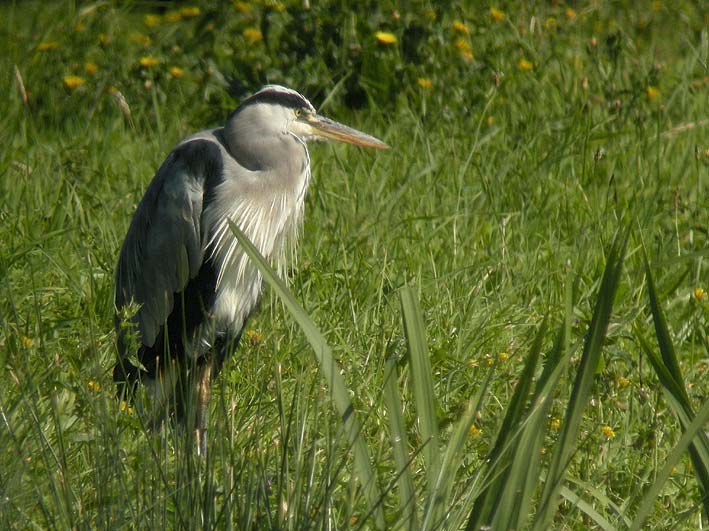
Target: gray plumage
{"x":180,"y":264}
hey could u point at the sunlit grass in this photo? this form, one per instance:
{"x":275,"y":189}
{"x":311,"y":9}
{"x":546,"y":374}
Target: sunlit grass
{"x":456,"y":280}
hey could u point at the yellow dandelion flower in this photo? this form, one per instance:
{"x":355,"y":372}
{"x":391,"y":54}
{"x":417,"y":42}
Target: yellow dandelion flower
{"x":172,"y":16}
{"x":139,"y":38}
{"x":176,"y":71}
{"x":189,"y":12}
{"x":497,"y":14}
{"x":255,"y":337}
{"x":475,"y":431}
{"x":488,"y":360}
{"x":424,"y":83}
{"x":464,"y":48}
{"x":253,"y":35}
{"x":27,"y":342}
{"x":90,"y":68}
{"x":608,"y":432}
{"x":555,"y":424}
{"x":570,"y":13}
{"x":148,"y":61}
{"x":460,"y":27}
{"x":384,"y":37}
{"x":699,"y":293}
{"x":242,"y":7}
{"x":47,"y":46}
{"x":623,"y":382}
{"x":652,"y":93}
{"x":503,"y":356}
{"x":73,"y":82}
{"x":94,"y":386}
{"x":151,"y":20}
{"x":524,"y":64}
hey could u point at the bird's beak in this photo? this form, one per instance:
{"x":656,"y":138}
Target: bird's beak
{"x":325,"y":128}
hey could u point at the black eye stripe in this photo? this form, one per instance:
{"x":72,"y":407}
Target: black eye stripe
{"x":277,"y":97}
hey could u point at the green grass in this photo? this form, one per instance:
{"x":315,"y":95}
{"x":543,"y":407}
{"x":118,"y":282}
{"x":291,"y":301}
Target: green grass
{"x":515,"y":294}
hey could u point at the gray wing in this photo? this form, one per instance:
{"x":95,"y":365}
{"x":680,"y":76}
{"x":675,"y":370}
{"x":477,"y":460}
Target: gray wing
{"x":164,"y":247}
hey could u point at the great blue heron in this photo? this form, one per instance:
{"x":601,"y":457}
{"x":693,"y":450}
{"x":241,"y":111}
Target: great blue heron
{"x":181,"y":266}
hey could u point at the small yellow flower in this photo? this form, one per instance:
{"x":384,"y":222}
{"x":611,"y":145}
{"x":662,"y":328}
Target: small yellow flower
{"x":424,"y":83}
{"x":148,"y":61}
{"x":255,"y":337}
{"x":46,"y":46}
{"x":94,"y":386}
{"x":652,"y":93}
{"x":488,"y":360}
{"x":176,"y":71}
{"x":172,"y":16}
{"x":555,"y":424}
{"x":551,"y":23}
{"x":27,"y":342}
{"x":125,"y":407}
{"x":497,"y":14}
{"x":475,"y":431}
{"x":253,"y":35}
{"x":139,"y":38}
{"x":460,"y":27}
{"x":570,"y":13}
{"x":151,"y":20}
{"x":608,"y":432}
{"x":623,"y":382}
{"x":503,"y":356}
{"x":90,"y":68}
{"x":73,"y":82}
{"x":103,"y":39}
{"x":524,"y":64}
{"x":242,"y":7}
{"x":463,"y":46}
{"x":384,"y":37}
{"x":699,"y":293}
{"x":490,"y":120}
{"x":189,"y":12}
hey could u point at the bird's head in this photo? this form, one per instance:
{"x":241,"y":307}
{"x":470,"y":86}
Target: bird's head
{"x":275,"y":109}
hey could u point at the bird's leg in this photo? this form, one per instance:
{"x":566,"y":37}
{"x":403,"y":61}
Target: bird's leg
{"x":204,"y":382}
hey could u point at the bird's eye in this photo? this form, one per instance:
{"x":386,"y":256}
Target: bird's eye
{"x":298,"y":112}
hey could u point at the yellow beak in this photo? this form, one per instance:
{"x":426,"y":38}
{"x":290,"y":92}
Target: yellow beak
{"x":330,"y":129}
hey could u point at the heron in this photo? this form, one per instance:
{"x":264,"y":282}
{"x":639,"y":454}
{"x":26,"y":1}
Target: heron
{"x":184,"y":287}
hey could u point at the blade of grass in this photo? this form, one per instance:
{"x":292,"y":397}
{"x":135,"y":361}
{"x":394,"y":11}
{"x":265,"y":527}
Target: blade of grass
{"x":502,"y":453}
{"x":422,"y":385}
{"x":667,"y":368}
{"x":583,"y":383}
{"x":693,"y":429}
{"x":400,"y":446}
{"x":330,"y":371}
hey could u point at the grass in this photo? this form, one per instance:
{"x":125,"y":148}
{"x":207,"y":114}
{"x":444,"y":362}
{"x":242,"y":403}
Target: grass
{"x":515,"y":294}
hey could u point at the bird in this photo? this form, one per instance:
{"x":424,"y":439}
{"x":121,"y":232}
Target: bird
{"x":184,"y":287}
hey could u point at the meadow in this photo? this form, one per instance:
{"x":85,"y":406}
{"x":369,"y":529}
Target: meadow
{"x":500,"y":323}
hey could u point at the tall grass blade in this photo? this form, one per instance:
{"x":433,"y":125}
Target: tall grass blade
{"x":400,"y":446}
{"x":692,"y":430}
{"x":422,"y":384}
{"x":583,"y":382}
{"x":666,"y":366}
{"x":504,"y":450}
{"x":330,"y":371}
